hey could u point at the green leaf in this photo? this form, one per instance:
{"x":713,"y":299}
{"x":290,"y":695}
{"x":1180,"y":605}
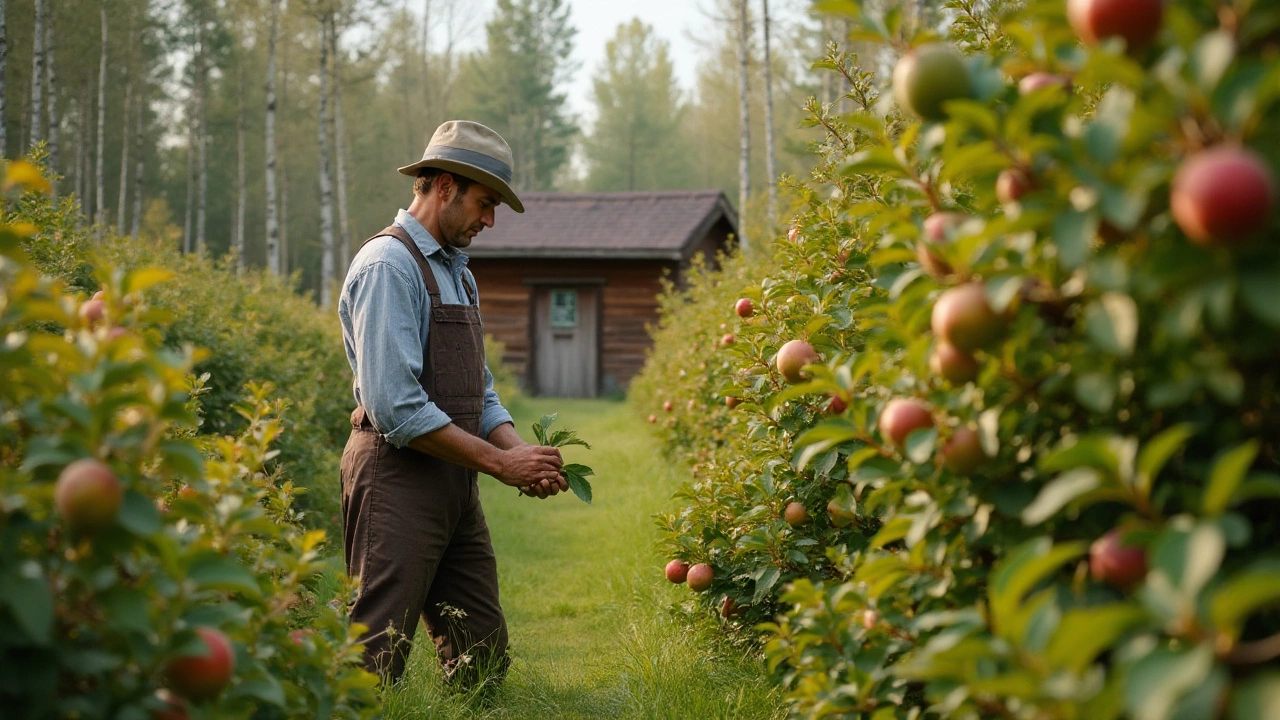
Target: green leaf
{"x":540,"y":428}
{"x":1156,"y":682}
{"x":1212,"y":56}
{"x":1058,"y":492}
{"x":1073,"y":232}
{"x":139,"y":515}
{"x":821,"y":438}
{"x":211,"y":571}
{"x":1248,"y":591}
{"x":265,"y":688}
{"x":1158,"y":451}
{"x":1257,"y":697}
{"x":768,"y":578}
{"x":1084,"y":633}
{"x":919,"y":444}
{"x":576,"y":475}
{"x":1112,"y":323}
{"x":1227,"y":474}
{"x":1023,"y":569}
{"x":877,"y":160}
{"x":28,"y":597}
{"x":1096,"y":391}
{"x":1260,"y":292}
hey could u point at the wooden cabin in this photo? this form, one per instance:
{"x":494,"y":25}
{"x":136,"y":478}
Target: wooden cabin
{"x":570,"y":286}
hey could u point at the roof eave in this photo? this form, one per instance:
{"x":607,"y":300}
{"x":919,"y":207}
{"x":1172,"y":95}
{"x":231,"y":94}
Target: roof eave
{"x":575,"y":254}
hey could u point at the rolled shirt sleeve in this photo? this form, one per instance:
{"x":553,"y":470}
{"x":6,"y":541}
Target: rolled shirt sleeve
{"x":384,"y":308}
{"x":494,"y":413}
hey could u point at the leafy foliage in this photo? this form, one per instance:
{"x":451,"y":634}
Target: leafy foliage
{"x":1131,"y":389}
{"x":575,"y":473}
{"x":205,"y":536}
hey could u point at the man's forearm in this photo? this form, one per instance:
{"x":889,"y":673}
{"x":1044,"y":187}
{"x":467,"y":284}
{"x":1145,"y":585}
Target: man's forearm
{"x":505,"y":437}
{"x":453,"y":444}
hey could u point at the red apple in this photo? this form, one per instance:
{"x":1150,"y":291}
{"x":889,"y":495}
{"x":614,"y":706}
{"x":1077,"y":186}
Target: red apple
{"x":792,"y":358}
{"x":1223,"y":196}
{"x":796,"y":514}
{"x":793,"y":233}
{"x":957,"y":367}
{"x":727,"y":339}
{"x":963,"y":318}
{"x":186,"y":492}
{"x":937,"y":231}
{"x":1012,"y":184}
{"x":1137,"y":21}
{"x":1113,"y":562}
{"x":117,"y":332}
{"x":202,"y":677}
{"x":1037,"y":80}
{"x":92,"y":311}
{"x":299,"y":636}
{"x":667,"y":406}
{"x":744,"y":308}
{"x":731,"y":402}
{"x":88,"y":495}
{"x":901,"y":417}
{"x":677,"y":571}
{"x":700,"y":577}
{"x":174,"y":708}
{"x":653,"y":419}
{"x":927,"y":77}
{"x":729,"y":608}
{"x":962,"y":453}
{"x":837,"y":406}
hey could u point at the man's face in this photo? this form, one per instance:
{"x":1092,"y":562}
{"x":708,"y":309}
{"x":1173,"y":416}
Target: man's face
{"x":467,"y":214}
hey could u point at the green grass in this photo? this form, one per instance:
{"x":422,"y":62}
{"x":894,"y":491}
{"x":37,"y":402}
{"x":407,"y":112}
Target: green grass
{"x":592,"y":634}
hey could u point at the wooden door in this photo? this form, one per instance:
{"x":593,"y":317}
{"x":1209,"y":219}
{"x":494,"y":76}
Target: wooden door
{"x":566,"y":343}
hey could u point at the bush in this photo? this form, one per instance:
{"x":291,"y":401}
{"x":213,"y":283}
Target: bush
{"x":1087,"y":527}
{"x":127,"y":543}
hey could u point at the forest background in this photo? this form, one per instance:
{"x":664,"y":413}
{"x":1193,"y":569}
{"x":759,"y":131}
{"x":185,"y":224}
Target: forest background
{"x":268,"y":130}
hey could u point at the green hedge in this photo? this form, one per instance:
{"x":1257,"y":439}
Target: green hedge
{"x":1080,"y":520}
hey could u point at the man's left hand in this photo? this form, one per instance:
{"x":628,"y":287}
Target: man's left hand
{"x":545,"y":488}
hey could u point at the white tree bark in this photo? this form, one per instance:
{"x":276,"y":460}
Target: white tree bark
{"x":124,"y":159}
{"x":283,"y":159}
{"x":326,"y":190}
{"x":241,"y":189}
{"x":273,"y":223}
{"x":51,"y":100}
{"x":744,"y":118}
{"x":139,"y":166}
{"x":771,"y":156}
{"x":4,"y":66}
{"x":339,"y":149}
{"x":37,"y":77}
{"x":202,"y":139}
{"x":100,"y":206}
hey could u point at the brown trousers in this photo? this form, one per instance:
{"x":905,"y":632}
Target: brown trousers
{"x":416,"y":537}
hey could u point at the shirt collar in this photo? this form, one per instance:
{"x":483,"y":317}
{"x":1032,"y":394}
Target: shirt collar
{"x":425,"y":242}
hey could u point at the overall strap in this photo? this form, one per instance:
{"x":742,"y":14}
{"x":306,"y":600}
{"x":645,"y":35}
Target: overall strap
{"x":429,"y":277}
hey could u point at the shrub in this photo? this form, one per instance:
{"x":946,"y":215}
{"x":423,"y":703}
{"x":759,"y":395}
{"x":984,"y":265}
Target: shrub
{"x":98,"y":603}
{"x":1124,"y":397}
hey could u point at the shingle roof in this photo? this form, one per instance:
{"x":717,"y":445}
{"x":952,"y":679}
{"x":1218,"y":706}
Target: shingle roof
{"x":636,"y":225}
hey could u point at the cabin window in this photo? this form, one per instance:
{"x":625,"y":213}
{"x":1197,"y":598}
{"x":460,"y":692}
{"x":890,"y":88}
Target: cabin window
{"x":564,"y":309}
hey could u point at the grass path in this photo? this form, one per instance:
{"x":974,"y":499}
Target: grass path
{"x":587,"y":607}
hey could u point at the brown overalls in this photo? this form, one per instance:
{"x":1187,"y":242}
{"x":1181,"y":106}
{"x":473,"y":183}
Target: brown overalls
{"x":414,"y":533}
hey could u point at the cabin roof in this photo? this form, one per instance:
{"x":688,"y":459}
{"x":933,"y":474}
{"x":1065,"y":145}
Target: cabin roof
{"x":664,"y":225}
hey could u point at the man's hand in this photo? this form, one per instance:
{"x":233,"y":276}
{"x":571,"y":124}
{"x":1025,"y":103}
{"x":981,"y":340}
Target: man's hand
{"x":535,"y":469}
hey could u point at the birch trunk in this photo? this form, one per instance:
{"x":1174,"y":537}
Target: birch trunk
{"x":326,"y":191}
{"x":273,"y":226}
{"x":241,"y":190}
{"x":4,"y":66}
{"x":744,"y":113}
{"x":139,"y":166}
{"x":770,"y":150}
{"x":339,"y":149}
{"x":283,"y":159}
{"x":51,"y":76}
{"x":124,"y":159}
{"x":202,"y":141}
{"x":100,"y":206}
{"x":37,"y":77}
{"x":187,"y":235}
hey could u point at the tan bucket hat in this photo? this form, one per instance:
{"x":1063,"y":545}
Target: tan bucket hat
{"x":473,"y":151}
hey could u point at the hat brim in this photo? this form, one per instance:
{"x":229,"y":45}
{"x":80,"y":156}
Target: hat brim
{"x":470,"y":172}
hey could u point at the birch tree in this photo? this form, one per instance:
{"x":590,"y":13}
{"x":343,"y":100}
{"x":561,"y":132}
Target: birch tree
{"x":326,"y":190}
{"x":51,"y":76}
{"x":771,"y":156}
{"x":241,"y":188}
{"x":139,"y":166}
{"x":124,"y":159}
{"x":339,"y":148}
{"x":4,"y":66}
{"x":37,"y":76}
{"x":273,"y":224}
{"x":202,"y":133}
{"x":100,"y":206}
{"x":744,"y":118}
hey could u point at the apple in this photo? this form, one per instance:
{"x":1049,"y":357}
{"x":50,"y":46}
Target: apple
{"x":962,"y":453}
{"x":870,"y":618}
{"x":840,"y":517}
{"x":929,"y":76}
{"x":174,"y":708}
{"x":1038,"y":80}
{"x":186,"y":492}
{"x":92,"y":311}
{"x":299,"y":636}
{"x":117,"y":332}
{"x":1137,"y":21}
{"x":793,"y":233}
{"x":949,"y":362}
{"x":727,"y":339}
{"x":1012,"y":184}
{"x":677,"y":571}
{"x":667,"y":406}
{"x":202,"y":677}
{"x":796,"y":514}
{"x":700,"y":577}
{"x":792,"y":358}
{"x":837,"y":406}
{"x":729,"y":608}
{"x":88,"y":495}
{"x":901,"y":417}
{"x":744,"y":308}
{"x":1223,"y":196}
{"x":653,"y":419}
{"x":937,"y":231}
{"x":963,"y":318}
{"x":692,"y":404}
{"x":731,"y":402}
{"x":1117,"y":564}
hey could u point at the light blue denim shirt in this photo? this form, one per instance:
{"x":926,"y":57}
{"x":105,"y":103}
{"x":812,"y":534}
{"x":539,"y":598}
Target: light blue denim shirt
{"x":384,"y":311}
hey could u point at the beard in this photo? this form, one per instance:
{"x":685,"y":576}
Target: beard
{"x":454,"y":228}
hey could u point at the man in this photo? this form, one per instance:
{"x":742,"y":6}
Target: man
{"x":428,"y":419}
